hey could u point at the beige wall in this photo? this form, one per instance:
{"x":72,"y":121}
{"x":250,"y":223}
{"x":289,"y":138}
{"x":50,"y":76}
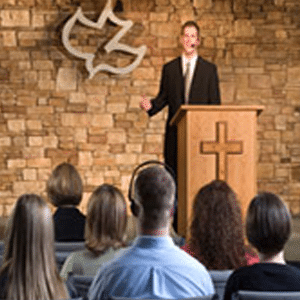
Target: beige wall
{"x":51,"y":112}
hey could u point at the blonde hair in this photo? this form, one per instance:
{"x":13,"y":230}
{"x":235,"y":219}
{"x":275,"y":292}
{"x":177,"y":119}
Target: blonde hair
{"x":64,"y":186}
{"x":106,"y":219}
{"x":29,"y":261}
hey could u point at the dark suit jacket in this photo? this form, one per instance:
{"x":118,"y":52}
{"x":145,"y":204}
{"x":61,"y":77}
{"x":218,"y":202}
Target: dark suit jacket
{"x":204,"y":90}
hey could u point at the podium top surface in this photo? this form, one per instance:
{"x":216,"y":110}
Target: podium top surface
{"x":184,"y":108}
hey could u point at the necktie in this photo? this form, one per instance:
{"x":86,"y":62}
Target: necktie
{"x":187,"y":82}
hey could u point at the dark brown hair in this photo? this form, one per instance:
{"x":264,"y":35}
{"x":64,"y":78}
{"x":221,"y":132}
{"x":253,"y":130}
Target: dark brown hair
{"x":155,"y":192}
{"x":217,"y":237}
{"x":268,"y":223}
{"x":106,"y":219}
{"x":190,"y":24}
{"x":64,"y":186}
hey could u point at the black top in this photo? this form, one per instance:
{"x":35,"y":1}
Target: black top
{"x":3,"y":286}
{"x":69,"y":224}
{"x":263,"y":277}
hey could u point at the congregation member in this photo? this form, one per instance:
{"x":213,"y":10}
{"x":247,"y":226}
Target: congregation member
{"x":29,"y":270}
{"x":268,"y":227}
{"x":153,"y":267}
{"x":104,"y":232}
{"x":217,"y":231}
{"x":64,"y":188}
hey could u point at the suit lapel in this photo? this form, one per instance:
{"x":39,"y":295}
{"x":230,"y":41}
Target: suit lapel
{"x":180,"y":80}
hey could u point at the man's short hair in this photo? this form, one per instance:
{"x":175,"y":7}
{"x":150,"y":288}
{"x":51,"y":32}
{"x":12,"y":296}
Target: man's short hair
{"x":190,"y":24}
{"x":268,"y":223}
{"x":155,"y":191}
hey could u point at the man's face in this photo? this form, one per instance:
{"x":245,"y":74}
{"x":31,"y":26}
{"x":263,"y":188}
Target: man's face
{"x":190,"y":40}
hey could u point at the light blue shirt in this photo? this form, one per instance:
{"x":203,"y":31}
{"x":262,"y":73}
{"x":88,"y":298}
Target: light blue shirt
{"x":153,"y":267}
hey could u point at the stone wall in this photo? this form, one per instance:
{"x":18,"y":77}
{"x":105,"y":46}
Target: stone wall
{"x":51,"y":112}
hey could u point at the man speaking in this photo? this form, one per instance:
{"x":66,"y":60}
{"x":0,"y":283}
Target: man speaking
{"x":188,"y":79}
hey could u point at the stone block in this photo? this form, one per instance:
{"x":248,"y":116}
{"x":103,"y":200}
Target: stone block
{"x":117,"y":148}
{"x":39,"y":162}
{"x":278,"y":78}
{"x":209,"y":42}
{"x":126,"y":159}
{"x":102,"y":120}
{"x":203,"y":4}
{"x":133,"y":148}
{"x":43,"y":65}
{"x":116,"y":108}
{"x":5,"y":141}
{"x":293,"y":76}
{"x":165,"y":29}
{"x":40,"y":110}
{"x":116,"y":137}
{"x":25,"y":187}
{"x":16,"y":125}
{"x":38,"y":20}
{"x":30,"y":174}
{"x":66,"y":79}
{"x":19,"y":55}
{"x":167,"y":42}
{"x":244,"y":50}
{"x":85,"y":158}
{"x":280,"y":122}
{"x":15,"y":18}
{"x":16,"y":163}
{"x":34,"y":141}
{"x":158,"y":17}
{"x":260,"y":81}
{"x":50,"y":141}
{"x":95,"y":180}
{"x":144,"y":73}
{"x":244,"y":28}
{"x":228,"y":90}
{"x":265,"y":171}
{"x":9,"y":38}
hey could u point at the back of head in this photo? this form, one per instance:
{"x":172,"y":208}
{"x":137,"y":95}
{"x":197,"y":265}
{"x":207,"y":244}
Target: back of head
{"x":268,"y":223}
{"x":155,"y":194}
{"x":64,"y":186}
{"x":106,"y":219}
{"x":29,"y":258}
{"x":217,"y":236}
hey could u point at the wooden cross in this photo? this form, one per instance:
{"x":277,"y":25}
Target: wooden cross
{"x":221,"y":148}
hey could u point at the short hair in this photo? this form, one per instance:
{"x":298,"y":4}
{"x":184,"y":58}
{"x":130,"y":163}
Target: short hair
{"x":155,"y":191}
{"x":268,"y":223}
{"x":29,"y":249}
{"x":217,"y":232}
{"x":190,"y":24}
{"x":64,"y":186}
{"x":106,"y":219}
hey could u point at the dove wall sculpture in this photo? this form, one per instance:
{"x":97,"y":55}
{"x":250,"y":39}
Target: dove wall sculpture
{"x":113,"y":44}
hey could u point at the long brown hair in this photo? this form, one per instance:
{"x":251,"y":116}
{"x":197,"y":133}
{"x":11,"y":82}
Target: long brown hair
{"x":29,"y":261}
{"x":217,"y":235}
{"x":106,"y":219}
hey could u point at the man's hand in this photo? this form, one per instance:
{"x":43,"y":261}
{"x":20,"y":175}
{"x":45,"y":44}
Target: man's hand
{"x":145,"y":103}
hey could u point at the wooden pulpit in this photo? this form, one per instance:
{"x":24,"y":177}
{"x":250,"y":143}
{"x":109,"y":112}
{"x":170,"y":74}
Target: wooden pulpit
{"x":215,"y":142}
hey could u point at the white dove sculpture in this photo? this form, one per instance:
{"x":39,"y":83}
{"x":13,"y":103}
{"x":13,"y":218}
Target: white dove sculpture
{"x":113,"y":44}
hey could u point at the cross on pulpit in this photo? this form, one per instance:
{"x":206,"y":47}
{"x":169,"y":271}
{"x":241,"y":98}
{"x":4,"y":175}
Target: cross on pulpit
{"x":221,"y":148}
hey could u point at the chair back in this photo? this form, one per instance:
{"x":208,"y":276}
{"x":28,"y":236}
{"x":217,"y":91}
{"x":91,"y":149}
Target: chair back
{"x":208,"y":297}
{"x":258,"y":295}
{"x":63,"y":249}
{"x":78,"y":285}
{"x":2,"y":245}
{"x":219,"y":278}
